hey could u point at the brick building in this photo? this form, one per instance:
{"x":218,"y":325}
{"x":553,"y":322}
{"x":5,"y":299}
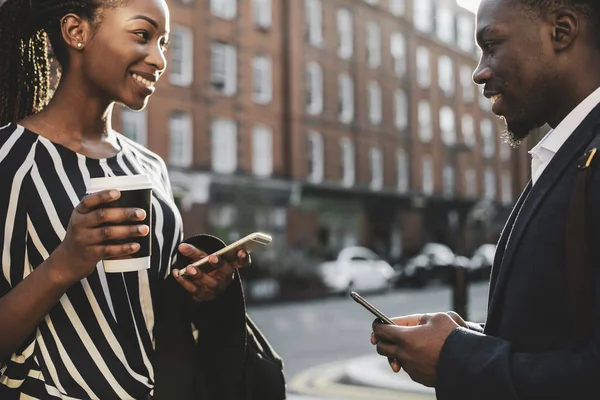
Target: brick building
{"x":330,"y":123}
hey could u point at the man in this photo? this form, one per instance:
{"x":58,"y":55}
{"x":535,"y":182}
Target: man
{"x":540,"y":64}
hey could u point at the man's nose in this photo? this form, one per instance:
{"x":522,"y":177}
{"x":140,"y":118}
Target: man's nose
{"x":482,"y":73}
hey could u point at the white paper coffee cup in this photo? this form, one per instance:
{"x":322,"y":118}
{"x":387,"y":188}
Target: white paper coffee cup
{"x":136,"y":191}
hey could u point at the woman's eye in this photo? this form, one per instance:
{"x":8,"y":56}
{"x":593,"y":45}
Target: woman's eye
{"x":144,"y":35}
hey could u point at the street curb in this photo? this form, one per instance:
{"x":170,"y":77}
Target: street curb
{"x":361,"y":378}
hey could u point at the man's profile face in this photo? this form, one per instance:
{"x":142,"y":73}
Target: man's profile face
{"x":515,"y":67}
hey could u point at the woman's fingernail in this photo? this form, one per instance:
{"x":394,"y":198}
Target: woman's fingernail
{"x":244,"y":254}
{"x":191,"y":271}
{"x":113,"y":194}
{"x":213,"y":259}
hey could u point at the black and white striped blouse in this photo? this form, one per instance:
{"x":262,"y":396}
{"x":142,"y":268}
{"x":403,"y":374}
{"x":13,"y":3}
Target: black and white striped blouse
{"x":97,"y":342}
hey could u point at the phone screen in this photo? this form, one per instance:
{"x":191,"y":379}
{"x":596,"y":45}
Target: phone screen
{"x":382,"y":317}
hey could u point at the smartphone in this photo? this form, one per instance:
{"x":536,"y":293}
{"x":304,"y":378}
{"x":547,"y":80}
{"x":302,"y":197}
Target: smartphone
{"x":358,"y":298}
{"x":229,"y":253}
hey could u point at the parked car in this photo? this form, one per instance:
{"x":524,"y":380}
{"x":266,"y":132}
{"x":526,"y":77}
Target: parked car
{"x":435,"y":261}
{"x":480,"y":264}
{"x":357,"y":268}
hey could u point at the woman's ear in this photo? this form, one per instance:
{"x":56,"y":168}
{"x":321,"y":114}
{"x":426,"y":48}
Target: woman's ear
{"x":76,"y":31}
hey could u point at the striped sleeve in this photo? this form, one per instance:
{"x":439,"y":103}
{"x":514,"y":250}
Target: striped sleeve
{"x":17,"y":150}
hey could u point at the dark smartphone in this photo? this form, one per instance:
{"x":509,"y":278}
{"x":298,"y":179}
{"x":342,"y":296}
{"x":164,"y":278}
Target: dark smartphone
{"x":384,"y":318}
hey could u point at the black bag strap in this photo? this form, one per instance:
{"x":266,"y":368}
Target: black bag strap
{"x":580,"y":284}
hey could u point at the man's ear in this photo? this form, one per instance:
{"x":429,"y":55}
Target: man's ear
{"x":76,"y":31}
{"x":566,"y":27}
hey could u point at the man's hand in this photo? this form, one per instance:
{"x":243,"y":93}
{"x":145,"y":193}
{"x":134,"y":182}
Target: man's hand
{"x":415,"y":343}
{"x":207,"y":286}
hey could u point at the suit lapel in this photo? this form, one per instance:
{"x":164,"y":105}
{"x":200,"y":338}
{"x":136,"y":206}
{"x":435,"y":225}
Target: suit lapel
{"x":570,"y":150}
{"x":501,"y":246}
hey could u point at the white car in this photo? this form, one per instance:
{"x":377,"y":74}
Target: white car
{"x":357,"y":268}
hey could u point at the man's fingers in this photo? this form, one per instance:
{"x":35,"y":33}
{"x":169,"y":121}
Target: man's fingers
{"x":389,"y":333}
{"x":408,"y":320}
{"x":92,"y":201}
{"x":395,"y":364}
{"x":390,"y":350}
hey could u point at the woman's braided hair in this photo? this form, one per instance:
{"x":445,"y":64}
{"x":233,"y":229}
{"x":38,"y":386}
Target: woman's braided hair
{"x":27,"y":29}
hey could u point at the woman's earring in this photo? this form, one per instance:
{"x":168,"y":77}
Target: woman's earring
{"x":79,"y":45}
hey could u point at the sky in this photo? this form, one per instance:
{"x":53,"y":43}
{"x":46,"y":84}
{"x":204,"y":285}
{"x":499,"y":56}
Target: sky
{"x":470,"y":4}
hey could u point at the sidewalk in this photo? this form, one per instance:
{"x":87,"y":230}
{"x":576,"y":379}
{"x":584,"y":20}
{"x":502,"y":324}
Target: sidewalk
{"x":364,"y":378}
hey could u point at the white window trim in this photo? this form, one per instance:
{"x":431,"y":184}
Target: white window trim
{"x":262,"y":151}
{"x":468,"y":86}
{"x":226,"y":9}
{"x":448,"y":128}
{"x":423,"y":61}
{"x":376,"y":164}
{"x":427,"y":175}
{"x":487,"y":136}
{"x":346,"y":97}
{"x":425,"y":121}
{"x":186,"y":75}
{"x":314,"y":21}
{"x":345,"y":25}
{"x":373,"y":38}
{"x":182,"y":124}
{"x":229,"y":73}
{"x":402,"y":171}
{"x":397,"y":7}
{"x":423,"y":15}
{"x":400,"y":109}
{"x":445,"y":24}
{"x":398,"y":52}
{"x":262,"y":78}
{"x":224,"y":152}
{"x":446,"y":75}
{"x":314,"y":81}
{"x":468,"y":133}
{"x":489,"y":183}
{"x":138,"y":119}
{"x":262,"y":10}
{"x":317,"y":157}
{"x":348,"y":167}
{"x":375,"y":102}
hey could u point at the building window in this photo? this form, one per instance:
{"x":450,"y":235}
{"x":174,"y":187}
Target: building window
{"x":315,"y":157}
{"x":223,"y":74}
{"x":423,"y":67}
{"x":449,"y":181}
{"x":398,"y":7}
{"x":466,"y":33}
{"x":427,"y":174}
{"x":346,"y":97}
{"x":345,"y":33}
{"x":372,"y":2}
{"x":489,"y":184}
{"x":468,"y":130}
{"x":402,"y":170}
{"x":401,"y":109}
{"x":262,"y":13}
{"x":224,"y":8}
{"x":398,"y":52}
{"x":446,"y":75}
{"x":423,"y":15}
{"x":373,"y":44}
{"x":487,"y":136}
{"x":135,"y":125}
{"x":445,"y":24}
{"x":181,"y":65}
{"x":262,"y":151}
{"x":374,"y":97}
{"x":262,"y":80}
{"x":471,"y":183}
{"x":314,"y":88}
{"x":181,"y":143}
{"x":424,"y":114}
{"x":376,"y":162}
{"x":314,"y":21}
{"x":224,"y":146}
{"x":507,"y":197}
{"x":348,"y":169}
{"x":468,"y":86}
{"x":447,"y":125}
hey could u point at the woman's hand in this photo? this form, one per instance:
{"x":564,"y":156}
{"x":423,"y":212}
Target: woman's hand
{"x":207,"y":286}
{"x":90,"y":230}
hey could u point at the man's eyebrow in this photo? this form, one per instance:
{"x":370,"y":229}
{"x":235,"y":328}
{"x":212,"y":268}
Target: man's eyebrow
{"x":147,"y":19}
{"x":487,"y":29}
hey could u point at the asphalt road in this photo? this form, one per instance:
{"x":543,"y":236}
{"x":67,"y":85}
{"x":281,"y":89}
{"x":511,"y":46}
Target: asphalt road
{"x":318,"y":332}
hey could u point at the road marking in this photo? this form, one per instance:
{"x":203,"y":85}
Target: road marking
{"x":323,"y":381}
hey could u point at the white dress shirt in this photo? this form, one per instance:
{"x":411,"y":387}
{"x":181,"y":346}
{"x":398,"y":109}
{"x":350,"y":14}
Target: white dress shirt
{"x":543,"y":152}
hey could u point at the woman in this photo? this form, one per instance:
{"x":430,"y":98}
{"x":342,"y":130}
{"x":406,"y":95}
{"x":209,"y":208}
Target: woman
{"x":70,"y":330}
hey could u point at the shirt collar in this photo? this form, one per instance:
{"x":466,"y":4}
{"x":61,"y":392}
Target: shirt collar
{"x":554,"y":139}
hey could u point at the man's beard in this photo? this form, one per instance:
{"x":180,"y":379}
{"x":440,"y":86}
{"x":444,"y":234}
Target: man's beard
{"x":515,"y":135}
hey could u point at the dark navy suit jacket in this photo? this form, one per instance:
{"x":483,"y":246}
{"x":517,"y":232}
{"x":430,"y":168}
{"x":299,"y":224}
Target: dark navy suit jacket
{"x":525,"y":352}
